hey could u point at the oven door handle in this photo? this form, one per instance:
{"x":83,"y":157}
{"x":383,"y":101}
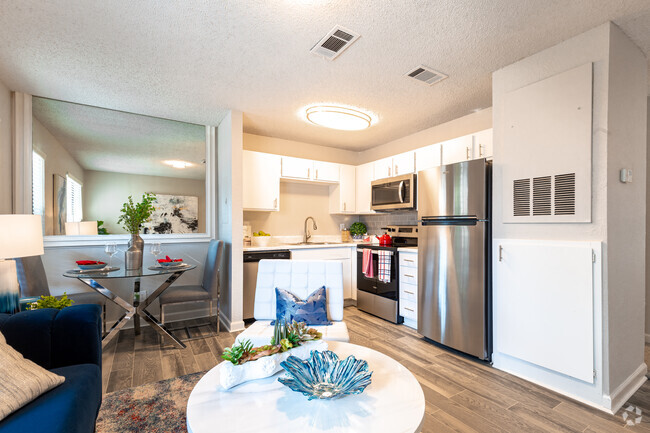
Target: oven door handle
{"x":401,"y":191}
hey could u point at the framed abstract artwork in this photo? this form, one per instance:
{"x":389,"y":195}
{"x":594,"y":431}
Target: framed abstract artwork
{"x":174,"y":214}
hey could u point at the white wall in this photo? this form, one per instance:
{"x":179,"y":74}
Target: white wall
{"x":6,"y":171}
{"x":297,"y":202}
{"x":617,"y":143}
{"x":57,"y":161}
{"x":230,"y":217}
{"x":298,"y":149}
{"x":456,"y":128}
{"x":105,"y":192}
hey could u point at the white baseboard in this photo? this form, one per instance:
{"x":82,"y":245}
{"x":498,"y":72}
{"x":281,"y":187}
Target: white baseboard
{"x":625,"y":390}
{"x":231,"y":326}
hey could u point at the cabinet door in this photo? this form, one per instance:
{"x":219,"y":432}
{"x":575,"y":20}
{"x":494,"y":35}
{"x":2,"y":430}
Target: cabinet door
{"x":326,"y":171}
{"x":297,"y":168}
{"x":404,"y":163}
{"x":364,"y":175}
{"x":261,"y":181}
{"x":457,"y":150}
{"x":428,"y":157}
{"x":342,"y":195}
{"x":483,"y":144}
{"x":383,"y":168}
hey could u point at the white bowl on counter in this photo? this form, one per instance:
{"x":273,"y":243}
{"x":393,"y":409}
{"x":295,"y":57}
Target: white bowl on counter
{"x":261,"y":241}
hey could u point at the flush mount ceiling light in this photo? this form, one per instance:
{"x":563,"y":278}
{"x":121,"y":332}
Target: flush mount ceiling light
{"x":335,"y":117}
{"x":178,"y":164}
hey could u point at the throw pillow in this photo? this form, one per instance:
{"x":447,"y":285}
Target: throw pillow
{"x":22,"y":380}
{"x":312,"y":311}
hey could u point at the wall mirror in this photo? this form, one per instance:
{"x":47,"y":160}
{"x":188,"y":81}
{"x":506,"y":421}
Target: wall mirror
{"x":87,"y":161}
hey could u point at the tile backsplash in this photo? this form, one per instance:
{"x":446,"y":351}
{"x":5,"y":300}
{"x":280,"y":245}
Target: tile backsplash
{"x":374,"y":223}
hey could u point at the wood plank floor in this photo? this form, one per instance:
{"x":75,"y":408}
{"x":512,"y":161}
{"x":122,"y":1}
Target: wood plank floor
{"x":461,"y":395}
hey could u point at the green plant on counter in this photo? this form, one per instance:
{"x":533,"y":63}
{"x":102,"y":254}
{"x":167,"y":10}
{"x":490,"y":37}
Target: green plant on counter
{"x":52,"y":302}
{"x":358,"y":229}
{"x":134,"y":214}
{"x":101,"y":230}
{"x":261,"y":233}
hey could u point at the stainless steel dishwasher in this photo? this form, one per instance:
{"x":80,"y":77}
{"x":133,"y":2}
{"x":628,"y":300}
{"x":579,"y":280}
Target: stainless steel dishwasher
{"x":251,"y":261}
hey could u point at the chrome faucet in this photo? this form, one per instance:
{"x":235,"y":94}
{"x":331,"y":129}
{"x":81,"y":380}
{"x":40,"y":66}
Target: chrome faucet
{"x":307,"y":234}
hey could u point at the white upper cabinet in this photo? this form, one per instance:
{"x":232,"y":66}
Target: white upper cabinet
{"x":364,"y":174}
{"x":297,"y":168}
{"x":382,"y":168}
{"x":483,"y":144}
{"x":428,"y":157}
{"x":457,"y":150}
{"x":404,"y":163}
{"x":343,"y":194}
{"x":261,"y":181}
{"x":326,"y":171}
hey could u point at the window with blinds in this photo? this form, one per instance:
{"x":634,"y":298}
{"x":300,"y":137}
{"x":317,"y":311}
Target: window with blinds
{"x":38,"y":184}
{"x":73,"y":193}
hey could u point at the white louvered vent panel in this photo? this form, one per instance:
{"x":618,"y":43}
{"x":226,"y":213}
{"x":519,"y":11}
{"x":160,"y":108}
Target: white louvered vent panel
{"x":542,"y":196}
{"x":521,"y":196}
{"x":335,"y":42}
{"x":565,"y":194}
{"x":426,"y":75}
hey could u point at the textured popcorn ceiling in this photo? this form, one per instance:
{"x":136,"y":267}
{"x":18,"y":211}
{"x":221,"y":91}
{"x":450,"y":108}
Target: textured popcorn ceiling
{"x":107,"y":140}
{"x":194,"y":60}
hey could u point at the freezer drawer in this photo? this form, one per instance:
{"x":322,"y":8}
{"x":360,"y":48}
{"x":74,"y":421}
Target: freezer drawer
{"x":452,"y":296}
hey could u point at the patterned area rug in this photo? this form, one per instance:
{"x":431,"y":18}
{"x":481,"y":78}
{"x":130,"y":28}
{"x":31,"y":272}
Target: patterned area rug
{"x":157,"y":407}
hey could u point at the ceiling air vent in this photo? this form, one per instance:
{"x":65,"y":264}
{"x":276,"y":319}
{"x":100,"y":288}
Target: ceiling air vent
{"x":565,"y":194}
{"x":522,"y":197}
{"x":542,"y":195}
{"x":335,"y":42}
{"x":426,"y":75}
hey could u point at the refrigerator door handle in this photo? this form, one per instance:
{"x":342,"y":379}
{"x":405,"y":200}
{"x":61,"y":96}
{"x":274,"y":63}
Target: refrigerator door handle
{"x":449,"y":221}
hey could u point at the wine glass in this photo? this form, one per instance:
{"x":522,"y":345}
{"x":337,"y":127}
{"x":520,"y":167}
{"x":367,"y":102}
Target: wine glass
{"x":111,"y":249}
{"x":155,"y":250}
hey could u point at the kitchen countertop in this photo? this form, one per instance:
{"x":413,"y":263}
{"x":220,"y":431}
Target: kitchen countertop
{"x":301,"y":247}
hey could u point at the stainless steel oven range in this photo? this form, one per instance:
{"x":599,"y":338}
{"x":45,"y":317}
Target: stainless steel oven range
{"x":381,"y":298}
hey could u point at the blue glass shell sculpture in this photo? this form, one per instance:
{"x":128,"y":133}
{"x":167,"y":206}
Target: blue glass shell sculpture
{"x":324,"y":376}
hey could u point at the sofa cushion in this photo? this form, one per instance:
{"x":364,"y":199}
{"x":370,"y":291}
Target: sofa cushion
{"x":36,"y":324}
{"x":260,"y":332}
{"x":69,"y":408}
{"x":312,"y":311}
{"x":22,"y":380}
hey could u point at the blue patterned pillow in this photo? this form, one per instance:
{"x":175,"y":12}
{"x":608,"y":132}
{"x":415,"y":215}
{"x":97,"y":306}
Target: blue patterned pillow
{"x":312,"y":311}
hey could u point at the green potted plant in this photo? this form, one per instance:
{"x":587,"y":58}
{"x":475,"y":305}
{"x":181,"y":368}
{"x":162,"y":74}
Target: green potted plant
{"x":357,"y":230}
{"x":133,"y":215}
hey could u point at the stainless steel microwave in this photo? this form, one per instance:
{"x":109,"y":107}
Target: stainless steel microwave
{"x":394,"y":193}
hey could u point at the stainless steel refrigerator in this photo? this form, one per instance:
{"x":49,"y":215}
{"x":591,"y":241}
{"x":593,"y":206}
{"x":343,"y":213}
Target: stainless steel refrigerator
{"x":454,"y":276}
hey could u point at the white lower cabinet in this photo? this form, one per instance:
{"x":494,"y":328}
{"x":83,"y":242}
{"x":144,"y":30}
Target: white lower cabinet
{"x":344,"y":254}
{"x":408,"y":287}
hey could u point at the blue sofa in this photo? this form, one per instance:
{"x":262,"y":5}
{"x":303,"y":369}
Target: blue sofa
{"x":68,"y":343}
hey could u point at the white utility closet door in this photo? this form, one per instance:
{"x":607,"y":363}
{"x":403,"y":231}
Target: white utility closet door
{"x":457,"y":150}
{"x":261,"y":181}
{"x":544,"y":304}
{"x":326,"y":171}
{"x":297,"y":168}
{"x":404,"y":163}
{"x":428,"y":157}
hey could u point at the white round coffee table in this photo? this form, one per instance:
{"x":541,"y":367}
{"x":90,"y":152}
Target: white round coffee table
{"x":393,"y":402}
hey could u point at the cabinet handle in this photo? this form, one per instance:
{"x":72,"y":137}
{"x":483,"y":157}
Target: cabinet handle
{"x":407,"y":308}
{"x":500,"y":253}
{"x":275,"y":203}
{"x":407,"y":275}
{"x":410,"y":261}
{"x":388,"y":171}
{"x":396,"y":170}
{"x":344,"y":206}
{"x":316,"y":173}
{"x":467,"y":152}
{"x":308,"y":172}
{"x":410,"y":293}
{"x":480,"y":150}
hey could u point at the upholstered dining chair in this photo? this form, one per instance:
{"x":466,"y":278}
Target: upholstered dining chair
{"x":33,"y":283}
{"x":205,"y":292}
{"x":300,"y":277}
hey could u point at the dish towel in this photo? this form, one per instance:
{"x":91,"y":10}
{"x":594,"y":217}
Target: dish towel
{"x":383,"y":268}
{"x":366,"y":266}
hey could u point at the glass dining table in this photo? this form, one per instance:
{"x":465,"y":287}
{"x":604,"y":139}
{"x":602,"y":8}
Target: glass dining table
{"x":139,"y":307}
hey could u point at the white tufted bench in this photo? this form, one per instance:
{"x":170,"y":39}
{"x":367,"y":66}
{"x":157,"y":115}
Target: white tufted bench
{"x":300,"y":277}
